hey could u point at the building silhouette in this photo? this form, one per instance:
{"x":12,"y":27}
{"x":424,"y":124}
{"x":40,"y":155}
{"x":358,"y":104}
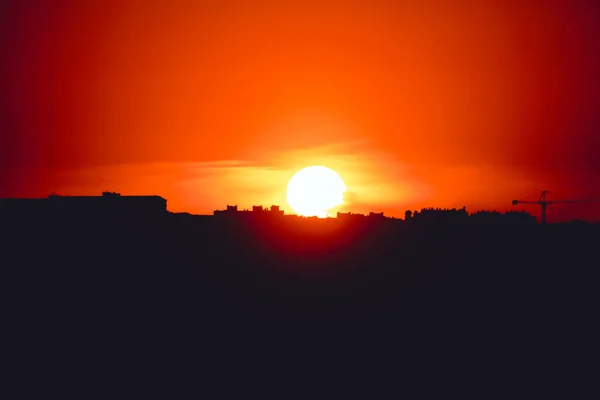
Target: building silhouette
{"x":509,"y":217}
{"x":109,"y":204}
{"x":357,"y":216}
{"x":233,"y":211}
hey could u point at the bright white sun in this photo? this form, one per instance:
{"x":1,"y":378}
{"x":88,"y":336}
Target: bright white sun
{"x":313,"y":191}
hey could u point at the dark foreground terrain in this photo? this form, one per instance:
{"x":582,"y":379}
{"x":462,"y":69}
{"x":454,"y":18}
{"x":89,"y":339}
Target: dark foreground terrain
{"x":474,"y":302}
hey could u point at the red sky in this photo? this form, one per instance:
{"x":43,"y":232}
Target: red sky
{"x":208,"y":103}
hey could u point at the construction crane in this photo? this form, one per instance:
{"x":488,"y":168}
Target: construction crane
{"x":544,"y":202}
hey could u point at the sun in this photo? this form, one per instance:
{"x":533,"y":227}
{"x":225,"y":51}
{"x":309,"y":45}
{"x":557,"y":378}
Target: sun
{"x":313,"y":191}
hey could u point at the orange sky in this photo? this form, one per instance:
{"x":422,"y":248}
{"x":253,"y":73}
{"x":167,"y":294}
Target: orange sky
{"x":414,"y":103}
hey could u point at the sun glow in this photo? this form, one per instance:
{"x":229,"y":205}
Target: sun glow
{"x":313,"y":191}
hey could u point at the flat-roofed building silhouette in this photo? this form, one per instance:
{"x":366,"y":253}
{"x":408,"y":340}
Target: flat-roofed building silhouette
{"x":276,"y":211}
{"x":107,"y":205}
{"x":230,"y":210}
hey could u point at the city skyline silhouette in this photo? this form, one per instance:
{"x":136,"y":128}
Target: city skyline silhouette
{"x":105,"y":202}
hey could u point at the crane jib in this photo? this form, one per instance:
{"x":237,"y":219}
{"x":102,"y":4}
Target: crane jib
{"x":543,"y":202}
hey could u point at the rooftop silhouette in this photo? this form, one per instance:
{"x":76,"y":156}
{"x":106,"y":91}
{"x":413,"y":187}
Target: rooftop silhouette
{"x":107,"y":204}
